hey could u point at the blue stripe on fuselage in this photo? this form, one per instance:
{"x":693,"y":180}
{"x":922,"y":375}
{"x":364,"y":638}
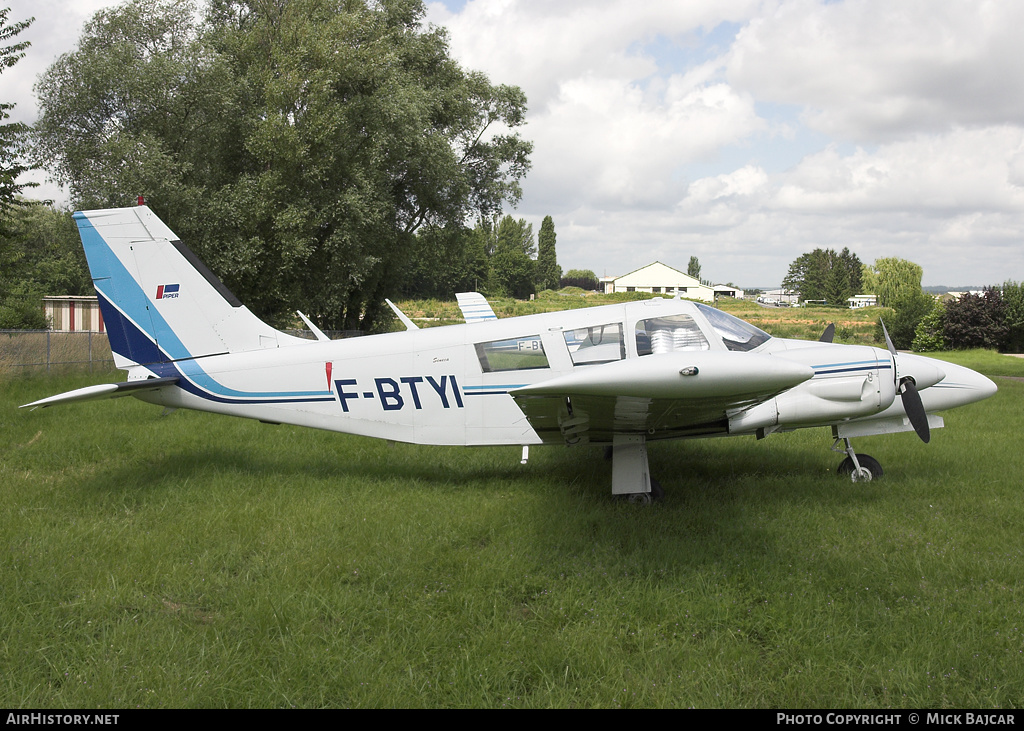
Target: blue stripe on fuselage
{"x":850,"y":367}
{"x":189,"y":371}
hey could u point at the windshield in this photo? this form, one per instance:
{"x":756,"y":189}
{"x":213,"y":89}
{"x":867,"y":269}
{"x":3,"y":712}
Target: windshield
{"x":736,"y":334}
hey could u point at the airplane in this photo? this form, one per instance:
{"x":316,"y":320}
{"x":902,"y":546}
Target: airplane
{"x":618,"y":375}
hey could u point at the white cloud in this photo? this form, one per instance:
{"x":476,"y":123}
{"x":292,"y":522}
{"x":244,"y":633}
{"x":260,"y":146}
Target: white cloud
{"x":965,"y":170}
{"x":616,"y":146}
{"x":611,"y":129}
{"x":871,"y":70}
{"x":537,"y":44}
{"x":746,"y":182}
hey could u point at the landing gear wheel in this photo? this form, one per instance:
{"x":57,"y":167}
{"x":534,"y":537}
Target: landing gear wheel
{"x":656,"y":495}
{"x":870,"y":469}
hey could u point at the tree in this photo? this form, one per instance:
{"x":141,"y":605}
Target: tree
{"x":440,"y":264}
{"x":51,"y":250}
{"x":898,"y":286}
{"x":549,"y":274}
{"x":693,"y":269}
{"x":896,"y":280}
{"x":512,"y":266}
{"x":20,"y":305}
{"x":823,"y":274}
{"x":297,"y":145}
{"x":12,"y":135}
{"x":868,"y":281}
{"x":142,"y":105}
{"x":40,"y":254}
{"x":837,"y":286}
{"x":582,"y":278}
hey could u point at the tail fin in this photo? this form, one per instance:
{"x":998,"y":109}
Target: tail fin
{"x":159,"y":302}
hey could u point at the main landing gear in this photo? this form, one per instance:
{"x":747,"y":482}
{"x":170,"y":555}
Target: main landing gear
{"x":859,"y":467}
{"x":631,"y":475}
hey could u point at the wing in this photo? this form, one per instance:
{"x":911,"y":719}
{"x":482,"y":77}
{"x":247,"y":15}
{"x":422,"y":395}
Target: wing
{"x":660,"y":396}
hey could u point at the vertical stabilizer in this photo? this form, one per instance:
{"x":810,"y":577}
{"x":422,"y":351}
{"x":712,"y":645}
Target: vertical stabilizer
{"x":159,"y":302}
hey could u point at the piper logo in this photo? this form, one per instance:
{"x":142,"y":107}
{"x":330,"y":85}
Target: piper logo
{"x":167,"y":291}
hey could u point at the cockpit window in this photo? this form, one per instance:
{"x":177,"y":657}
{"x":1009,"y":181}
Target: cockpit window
{"x":667,"y":334}
{"x":517,"y":354}
{"x":736,"y":334}
{"x":598,"y":344}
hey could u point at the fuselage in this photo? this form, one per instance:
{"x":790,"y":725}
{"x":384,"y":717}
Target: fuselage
{"x":456,"y":385}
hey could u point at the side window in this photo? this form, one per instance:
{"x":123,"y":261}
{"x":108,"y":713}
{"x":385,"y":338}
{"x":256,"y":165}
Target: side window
{"x":667,"y":334}
{"x":598,"y":344}
{"x":517,"y":354}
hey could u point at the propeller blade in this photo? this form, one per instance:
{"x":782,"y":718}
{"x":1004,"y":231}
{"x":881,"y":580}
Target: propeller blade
{"x":915,"y":409}
{"x":908,"y":393}
{"x":830,"y":332}
{"x":888,"y":340}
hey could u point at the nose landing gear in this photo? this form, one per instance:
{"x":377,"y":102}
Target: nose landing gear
{"x":859,"y":467}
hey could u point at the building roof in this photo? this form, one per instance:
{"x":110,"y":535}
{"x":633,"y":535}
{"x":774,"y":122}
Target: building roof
{"x":675,"y":272}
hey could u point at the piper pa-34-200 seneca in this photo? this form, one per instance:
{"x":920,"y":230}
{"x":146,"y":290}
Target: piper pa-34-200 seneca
{"x":617,"y":375}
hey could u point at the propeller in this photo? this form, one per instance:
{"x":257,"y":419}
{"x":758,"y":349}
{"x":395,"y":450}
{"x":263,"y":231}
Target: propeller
{"x":829,"y":334}
{"x":907,"y":389}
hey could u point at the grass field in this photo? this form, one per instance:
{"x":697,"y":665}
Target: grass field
{"x":192,"y":560}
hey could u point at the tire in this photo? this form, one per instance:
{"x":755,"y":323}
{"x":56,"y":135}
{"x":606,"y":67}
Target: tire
{"x":866,"y":460}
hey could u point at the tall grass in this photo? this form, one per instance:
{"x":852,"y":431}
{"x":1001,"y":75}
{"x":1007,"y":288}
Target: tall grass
{"x":191,"y":560}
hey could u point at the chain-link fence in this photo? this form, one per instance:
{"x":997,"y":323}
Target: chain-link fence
{"x":27,"y":350}
{"x":23,"y":351}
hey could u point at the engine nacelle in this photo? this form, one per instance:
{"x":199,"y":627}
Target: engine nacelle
{"x":859,"y":385}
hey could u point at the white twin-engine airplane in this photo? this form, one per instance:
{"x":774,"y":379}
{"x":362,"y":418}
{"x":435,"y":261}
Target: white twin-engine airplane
{"x":616,"y":375}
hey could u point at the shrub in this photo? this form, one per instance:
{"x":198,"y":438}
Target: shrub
{"x":928,"y":333}
{"x":1013,"y":298}
{"x":976,"y":321}
{"x":586,"y":283}
{"x":907,"y":311}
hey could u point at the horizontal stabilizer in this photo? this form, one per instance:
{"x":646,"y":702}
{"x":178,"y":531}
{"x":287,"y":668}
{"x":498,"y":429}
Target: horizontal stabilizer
{"x":475,"y":307}
{"x":103,"y":391}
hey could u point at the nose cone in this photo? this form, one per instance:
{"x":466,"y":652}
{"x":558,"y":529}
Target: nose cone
{"x":960,"y":386}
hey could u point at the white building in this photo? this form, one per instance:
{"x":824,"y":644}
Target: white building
{"x":779,"y":297}
{"x":862,"y":300}
{"x":727,"y":290}
{"x":658,"y":278}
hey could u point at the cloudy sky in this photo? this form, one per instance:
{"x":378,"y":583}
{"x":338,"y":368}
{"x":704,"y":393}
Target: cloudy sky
{"x":743,"y":132}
